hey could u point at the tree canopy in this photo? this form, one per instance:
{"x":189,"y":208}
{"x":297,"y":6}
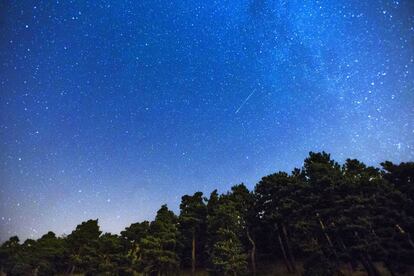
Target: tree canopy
{"x":321,"y":219}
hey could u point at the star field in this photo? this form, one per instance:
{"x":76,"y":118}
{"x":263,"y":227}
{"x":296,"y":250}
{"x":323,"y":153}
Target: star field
{"x":109,"y":109}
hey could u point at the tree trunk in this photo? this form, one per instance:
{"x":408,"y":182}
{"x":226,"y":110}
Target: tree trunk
{"x":352,"y":264}
{"x":253,"y":252}
{"x":328,"y":239}
{"x":72,"y":270}
{"x":284,"y":253}
{"x":324,"y":232}
{"x":289,"y":251}
{"x":193,"y":255}
{"x":369,"y":266}
{"x":402,"y":231}
{"x":410,"y":241}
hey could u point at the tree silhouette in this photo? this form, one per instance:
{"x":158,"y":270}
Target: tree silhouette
{"x":192,"y":220}
{"x":159,"y":246}
{"x":82,"y":245}
{"x":321,"y":219}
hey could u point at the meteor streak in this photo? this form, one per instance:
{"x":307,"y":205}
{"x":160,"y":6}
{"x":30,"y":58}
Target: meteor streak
{"x":244,"y":102}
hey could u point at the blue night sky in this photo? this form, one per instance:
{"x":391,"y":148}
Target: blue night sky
{"x":109,"y":109}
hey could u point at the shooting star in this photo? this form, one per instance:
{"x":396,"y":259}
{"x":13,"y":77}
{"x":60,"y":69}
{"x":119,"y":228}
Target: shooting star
{"x":245,"y":101}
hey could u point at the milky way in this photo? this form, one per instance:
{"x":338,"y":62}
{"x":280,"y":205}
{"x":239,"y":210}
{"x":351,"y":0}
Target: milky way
{"x":111,"y":108}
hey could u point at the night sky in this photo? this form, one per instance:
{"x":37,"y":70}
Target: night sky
{"x":109,"y":109}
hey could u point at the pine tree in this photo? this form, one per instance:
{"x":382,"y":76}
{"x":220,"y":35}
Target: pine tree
{"x":356,"y":211}
{"x":112,"y":260}
{"x":83,"y":243}
{"x":192,"y":221}
{"x":131,"y":238}
{"x":244,"y":203}
{"x":159,"y":246}
{"x":51,"y":254}
{"x":326,"y":214}
{"x":10,"y":254}
{"x":402,"y":177}
{"x":322,"y":176}
{"x":274,"y":208}
{"x":227,"y":253}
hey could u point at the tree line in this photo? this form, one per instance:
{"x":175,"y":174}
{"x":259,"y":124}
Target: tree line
{"x":320,"y":219}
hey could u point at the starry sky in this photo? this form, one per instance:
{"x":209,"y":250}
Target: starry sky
{"x":109,"y":109}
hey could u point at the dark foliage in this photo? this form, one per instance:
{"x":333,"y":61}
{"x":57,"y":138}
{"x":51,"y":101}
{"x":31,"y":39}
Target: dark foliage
{"x":316,"y":220}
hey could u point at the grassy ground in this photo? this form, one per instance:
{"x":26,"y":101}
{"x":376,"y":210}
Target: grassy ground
{"x":279,"y":269}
